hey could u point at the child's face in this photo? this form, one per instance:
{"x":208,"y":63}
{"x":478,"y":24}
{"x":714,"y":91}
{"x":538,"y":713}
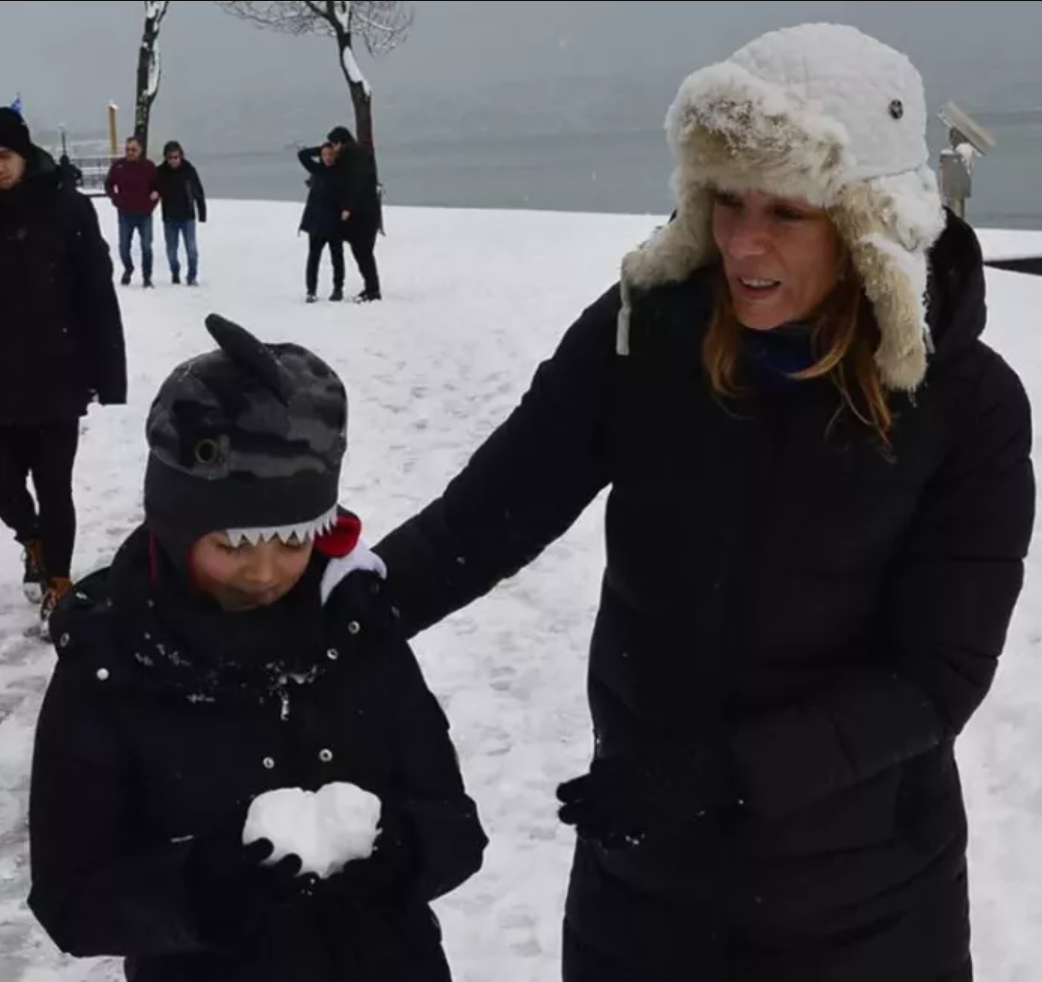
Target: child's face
{"x":246,"y":577}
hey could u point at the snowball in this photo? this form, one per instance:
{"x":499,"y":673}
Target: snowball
{"x":327,"y":829}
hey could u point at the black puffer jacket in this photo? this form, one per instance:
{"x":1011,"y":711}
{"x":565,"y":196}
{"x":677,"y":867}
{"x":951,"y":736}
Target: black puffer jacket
{"x":328,"y":199}
{"x":61,"y":342}
{"x":181,"y":192}
{"x":137,"y":752}
{"x":825,"y":620}
{"x":356,"y":172}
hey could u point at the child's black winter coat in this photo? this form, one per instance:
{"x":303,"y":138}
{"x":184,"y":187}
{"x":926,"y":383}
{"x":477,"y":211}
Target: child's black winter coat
{"x":138,"y":752}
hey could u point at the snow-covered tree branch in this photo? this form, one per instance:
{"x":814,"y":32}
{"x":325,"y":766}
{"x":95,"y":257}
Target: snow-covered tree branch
{"x":380,"y":25}
{"x":149,"y":67}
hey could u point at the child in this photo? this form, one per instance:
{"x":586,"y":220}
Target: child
{"x":241,"y":642}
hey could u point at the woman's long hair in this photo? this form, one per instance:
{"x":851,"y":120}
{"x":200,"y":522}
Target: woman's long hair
{"x":844,"y":339}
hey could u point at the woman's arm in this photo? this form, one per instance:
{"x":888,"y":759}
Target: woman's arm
{"x":308,"y":158}
{"x":943,"y":623}
{"x":521,"y":490}
{"x":95,"y":889}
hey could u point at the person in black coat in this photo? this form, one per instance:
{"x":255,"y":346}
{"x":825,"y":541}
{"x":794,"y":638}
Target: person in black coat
{"x":241,"y":643}
{"x":324,"y":216}
{"x":356,"y":170}
{"x":821,"y":498}
{"x":70,"y":173}
{"x":183,"y":202}
{"x":61,"y":348}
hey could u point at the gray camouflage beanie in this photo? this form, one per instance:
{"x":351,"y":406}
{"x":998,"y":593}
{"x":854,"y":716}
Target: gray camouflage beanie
{"x":247,"y":440}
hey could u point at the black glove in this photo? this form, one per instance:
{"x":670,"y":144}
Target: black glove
{"x":624,"y":799}
{"x":232,"y":892}
{"x":384,"y":875}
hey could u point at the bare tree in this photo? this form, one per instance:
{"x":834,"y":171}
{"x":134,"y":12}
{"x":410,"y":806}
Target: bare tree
{"x":381,"y":25}
{"x":149,"y":68}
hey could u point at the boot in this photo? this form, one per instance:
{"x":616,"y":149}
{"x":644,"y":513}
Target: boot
{"x":337,"y":295}
{"x":55,"y":591}
{"x":35,"y":576}
{"x":175,"y":279}
{"x":128,"y":275}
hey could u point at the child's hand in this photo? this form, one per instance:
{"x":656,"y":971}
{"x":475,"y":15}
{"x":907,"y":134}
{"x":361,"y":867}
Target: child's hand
{"x":281,"y":882}
{"x":232,"y":890}
{"x":383,"y":875}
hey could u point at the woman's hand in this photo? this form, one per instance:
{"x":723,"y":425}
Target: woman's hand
{"x":624,"y":799}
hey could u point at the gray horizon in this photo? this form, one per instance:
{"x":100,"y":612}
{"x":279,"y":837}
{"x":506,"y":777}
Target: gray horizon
{"x":466,"y":57}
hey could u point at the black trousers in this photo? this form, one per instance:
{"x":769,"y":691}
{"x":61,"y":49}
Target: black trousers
{"x":363,"y":248}
{"x":47,"y":454}
{"x":316,"y":246}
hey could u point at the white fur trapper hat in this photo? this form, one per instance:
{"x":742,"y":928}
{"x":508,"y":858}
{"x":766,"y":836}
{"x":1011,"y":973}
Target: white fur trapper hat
{"x":824,"y":113}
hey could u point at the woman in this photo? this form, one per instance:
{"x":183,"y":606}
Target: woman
{"x":324,"y":217}
{"x":821,"y":499}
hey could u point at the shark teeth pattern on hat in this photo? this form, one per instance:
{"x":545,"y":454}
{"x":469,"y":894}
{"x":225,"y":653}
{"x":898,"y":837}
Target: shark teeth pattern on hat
{"x":304,"y":532}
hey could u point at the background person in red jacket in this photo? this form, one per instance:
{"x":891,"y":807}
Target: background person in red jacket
{"x":133,"y":187}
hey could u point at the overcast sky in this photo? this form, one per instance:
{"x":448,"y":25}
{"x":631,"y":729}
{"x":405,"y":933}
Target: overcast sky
{"x":69,"y":59}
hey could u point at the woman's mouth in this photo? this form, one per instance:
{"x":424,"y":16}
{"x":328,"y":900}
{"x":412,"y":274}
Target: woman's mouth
{"x":755,"y":288}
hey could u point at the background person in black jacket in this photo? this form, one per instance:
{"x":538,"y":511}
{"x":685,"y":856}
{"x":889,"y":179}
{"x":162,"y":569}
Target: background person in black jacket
{"x":183,"y":202}
{"x":61,"y":346}
{"x":324,"y":216}
{"x":241,"y":643}
{"x":821,"y":497}
{"x":357,"y":173}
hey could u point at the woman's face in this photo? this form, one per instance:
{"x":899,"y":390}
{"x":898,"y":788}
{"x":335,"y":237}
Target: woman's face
{"x":781,"y":257}
{"x":328,"y":156}
{"x":246,"y":577}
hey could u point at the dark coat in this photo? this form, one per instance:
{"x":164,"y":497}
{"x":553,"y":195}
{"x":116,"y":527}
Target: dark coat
{"x":328,"y":198}
{"x":61,"y":342}
{"x":181,"y":193}
{"x":823,"y":620}
{"x":135,"y":755}
{"x":356,"y":169}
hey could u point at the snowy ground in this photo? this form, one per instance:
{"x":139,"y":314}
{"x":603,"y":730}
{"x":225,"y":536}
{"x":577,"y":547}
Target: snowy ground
{"x":1007,"y":244}
{"x":473,"y":301}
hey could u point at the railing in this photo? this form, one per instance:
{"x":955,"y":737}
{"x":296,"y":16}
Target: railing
{"x":94,"y":171}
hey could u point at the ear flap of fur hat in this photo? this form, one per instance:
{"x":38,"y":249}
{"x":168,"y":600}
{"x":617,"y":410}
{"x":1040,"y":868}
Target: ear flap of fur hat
{"x":825,"y":114}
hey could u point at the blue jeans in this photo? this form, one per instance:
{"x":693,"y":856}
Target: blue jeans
{"x":174,"y":232}
{"x":128,"y":225}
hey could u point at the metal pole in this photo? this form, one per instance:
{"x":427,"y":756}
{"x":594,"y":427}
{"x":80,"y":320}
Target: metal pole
{"x":113,"y":132}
